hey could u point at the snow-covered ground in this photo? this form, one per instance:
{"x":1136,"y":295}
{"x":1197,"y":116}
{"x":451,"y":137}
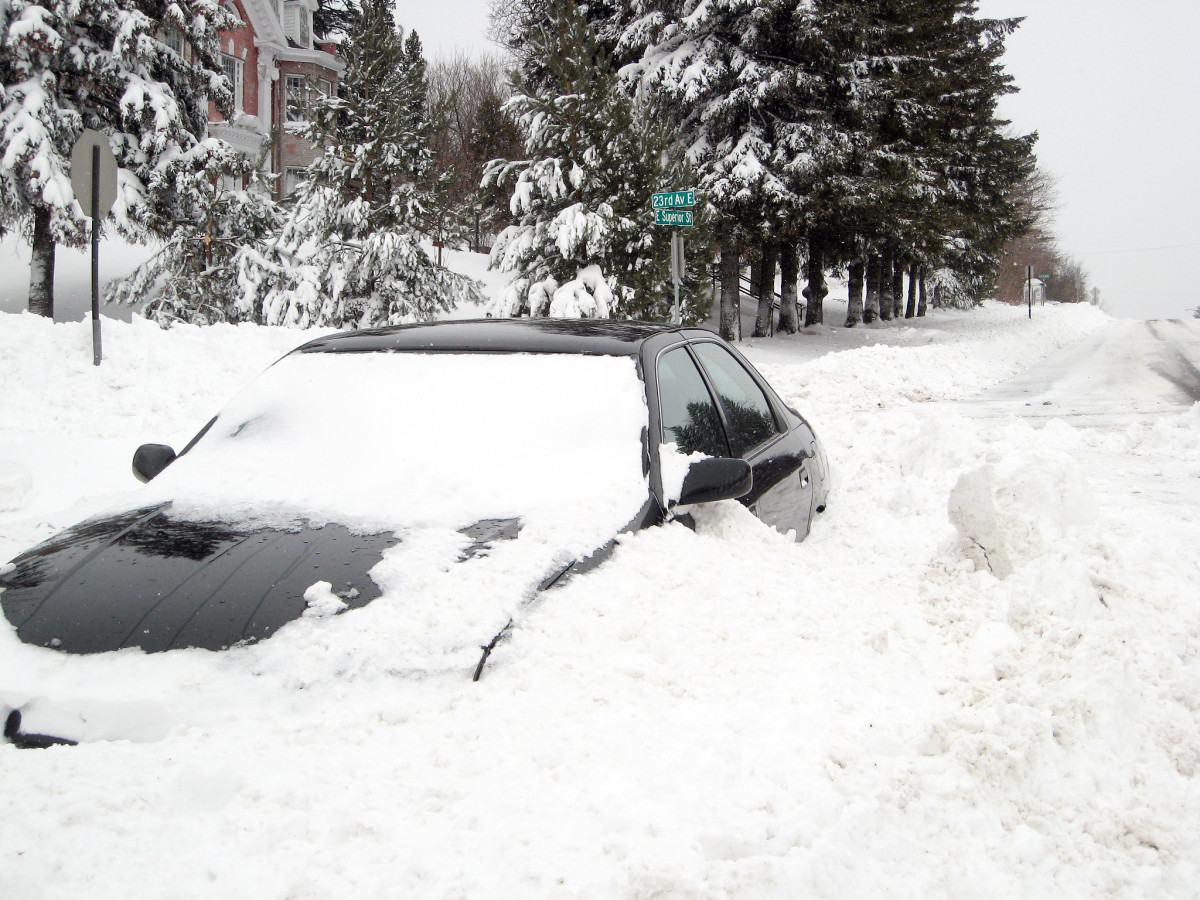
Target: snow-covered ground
{"x":978,"y":678}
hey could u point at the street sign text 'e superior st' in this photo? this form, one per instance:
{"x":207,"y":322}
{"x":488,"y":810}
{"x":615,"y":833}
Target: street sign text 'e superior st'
{"x":674,"y":217}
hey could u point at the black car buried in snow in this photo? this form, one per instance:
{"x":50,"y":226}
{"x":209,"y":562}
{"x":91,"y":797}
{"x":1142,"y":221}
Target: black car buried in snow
{"x":564,"y":432}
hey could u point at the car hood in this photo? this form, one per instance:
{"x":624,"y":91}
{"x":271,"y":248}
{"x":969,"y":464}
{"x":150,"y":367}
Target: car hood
{"x":149,"y":579}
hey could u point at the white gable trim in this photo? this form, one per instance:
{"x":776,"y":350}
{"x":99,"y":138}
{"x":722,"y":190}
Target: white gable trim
{"x":263,"y":16}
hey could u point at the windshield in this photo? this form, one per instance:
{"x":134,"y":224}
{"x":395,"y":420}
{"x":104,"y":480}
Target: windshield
{"x":392,"y":440}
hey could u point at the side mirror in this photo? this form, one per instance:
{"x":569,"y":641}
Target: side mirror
{"x":716,"y":478}
{"x":150,"y":459}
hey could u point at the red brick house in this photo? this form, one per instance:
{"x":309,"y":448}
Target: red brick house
{"x":274,"y":61}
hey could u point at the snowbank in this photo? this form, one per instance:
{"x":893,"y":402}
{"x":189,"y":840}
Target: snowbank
{"x":883,"y":710}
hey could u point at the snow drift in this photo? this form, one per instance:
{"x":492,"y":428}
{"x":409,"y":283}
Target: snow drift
{"x":884,"y":709}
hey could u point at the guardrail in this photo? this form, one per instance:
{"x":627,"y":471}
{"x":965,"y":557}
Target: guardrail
{"x":747,"y":290}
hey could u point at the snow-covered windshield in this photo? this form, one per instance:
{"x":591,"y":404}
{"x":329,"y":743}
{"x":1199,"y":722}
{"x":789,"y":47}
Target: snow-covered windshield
{"x":393,"y":440}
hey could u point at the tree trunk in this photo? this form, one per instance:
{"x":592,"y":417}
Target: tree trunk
{"x":789,"y":276}
{"x":911,"y":309}
{"x":731,"y":289}
{"x":814,"y":271}
{"x":898,"y":288}
{"x":766,"y":290}
{"x":856,"y":273}
{"x":755,"y":275}
{"x":921,"y":290}
{"x":873,"y":270}
{"x":41,"y":266}
{"x":887,"y":290}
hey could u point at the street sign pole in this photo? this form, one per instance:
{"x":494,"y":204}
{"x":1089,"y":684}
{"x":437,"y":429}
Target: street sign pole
{"x":97,"y":354}
{"x":676,"y":271}
{"x":94,"y":181}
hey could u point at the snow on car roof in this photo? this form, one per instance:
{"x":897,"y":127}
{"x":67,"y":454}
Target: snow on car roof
{"x":576,"y":336}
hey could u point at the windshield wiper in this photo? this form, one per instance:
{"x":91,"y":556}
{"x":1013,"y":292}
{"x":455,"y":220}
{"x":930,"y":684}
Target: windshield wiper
{"x":22,"y":741}
{"x":489,"y":647}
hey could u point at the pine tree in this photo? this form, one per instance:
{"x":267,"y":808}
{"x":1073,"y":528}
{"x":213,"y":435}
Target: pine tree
{"x":349,"y":253}
{"x":193,"y":275}
{"x":584,"y":242}
{"x":750,"y":84}
{"x":945,"y":159}
{"x":68,"y":65}
{"x":332,"y":19}
{"x":858,"y":129}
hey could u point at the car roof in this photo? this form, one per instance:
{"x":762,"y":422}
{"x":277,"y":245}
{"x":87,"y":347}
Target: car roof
{"x":528,"y":335}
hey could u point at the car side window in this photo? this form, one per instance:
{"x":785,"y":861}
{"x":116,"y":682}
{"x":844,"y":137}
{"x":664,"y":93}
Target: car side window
{"x":751,"y":421}
{"x":689,"y":416}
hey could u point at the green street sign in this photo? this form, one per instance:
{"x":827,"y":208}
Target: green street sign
{"x":674,"y":217}
{"x":672,"y":199}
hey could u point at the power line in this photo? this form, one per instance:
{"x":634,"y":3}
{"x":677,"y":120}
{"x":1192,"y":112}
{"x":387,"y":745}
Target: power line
{"x":1155,"y":293}
{"x":1139,"y":249}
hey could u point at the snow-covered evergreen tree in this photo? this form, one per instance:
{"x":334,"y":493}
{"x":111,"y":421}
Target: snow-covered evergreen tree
{"x":584,"y":242}
{"x":349,"y":253}
{"x":725,"y":71}
{"x":946,"y":159}
{"x":332,"y":19}
{"x":193,"y":275}
{"x":857,"y":127}
{"x":67,"y":65}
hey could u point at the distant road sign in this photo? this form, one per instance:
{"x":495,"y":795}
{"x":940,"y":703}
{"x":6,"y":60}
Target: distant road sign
{"x":674,"y":217}
{"x":672,"y":199}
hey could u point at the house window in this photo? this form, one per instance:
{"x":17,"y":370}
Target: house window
{"x":301,"y":92}
{"x":234,"y":68}
{"x":297,"y":99}
{"x":297,"y":24}
{"x":174,"y":39}
{"x":292,"y":176}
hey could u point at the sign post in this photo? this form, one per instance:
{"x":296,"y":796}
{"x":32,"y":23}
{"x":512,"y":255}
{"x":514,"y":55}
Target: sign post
{"x":668,"y":211}
{"x":1029,"y":288}
{"x":94,"y":179}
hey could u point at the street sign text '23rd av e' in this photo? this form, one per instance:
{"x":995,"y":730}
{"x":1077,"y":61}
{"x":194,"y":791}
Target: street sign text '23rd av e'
{"x":672,"y":199}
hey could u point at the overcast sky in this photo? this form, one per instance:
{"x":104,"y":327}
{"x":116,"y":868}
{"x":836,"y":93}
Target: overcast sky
{"x":1113,"y":89}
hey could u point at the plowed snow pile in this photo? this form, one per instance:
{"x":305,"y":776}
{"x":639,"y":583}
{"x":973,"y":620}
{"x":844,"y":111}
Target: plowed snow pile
{"x":978,"y":678}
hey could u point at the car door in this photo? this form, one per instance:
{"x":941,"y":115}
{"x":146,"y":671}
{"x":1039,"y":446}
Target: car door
{"x":761,"y":434}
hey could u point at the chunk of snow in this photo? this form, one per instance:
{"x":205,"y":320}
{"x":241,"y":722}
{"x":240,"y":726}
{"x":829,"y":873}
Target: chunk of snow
{"x":322,"y":601}
{"x":587,"y":296}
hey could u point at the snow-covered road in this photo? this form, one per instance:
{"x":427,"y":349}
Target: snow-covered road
{"x":1125,"y":370}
